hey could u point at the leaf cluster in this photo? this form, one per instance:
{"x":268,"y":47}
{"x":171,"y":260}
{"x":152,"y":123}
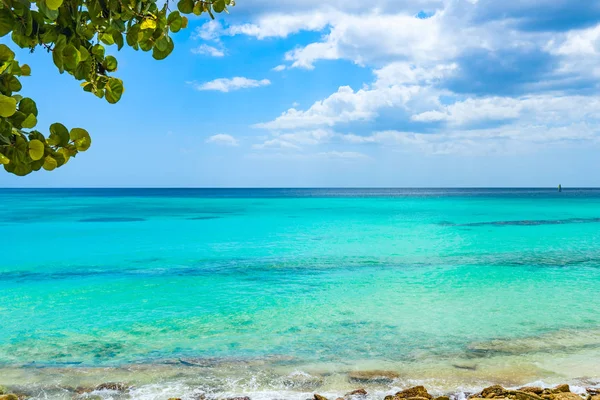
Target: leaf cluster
{"x":76,"y":33}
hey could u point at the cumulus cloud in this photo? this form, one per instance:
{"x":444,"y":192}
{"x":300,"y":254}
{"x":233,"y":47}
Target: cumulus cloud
{"x":205,"y":49}
{"x":296,"y":140}
{"x":346,"y":105}
{"x":223,"y":139}
{"x":548,"y":109}
{"x":375,"y":37}
{"x":511,"y":139}
{"x":230,"y":84}
{"x":448,"y":75}
{"x":211,"y":30}
{"x":343,"y":154}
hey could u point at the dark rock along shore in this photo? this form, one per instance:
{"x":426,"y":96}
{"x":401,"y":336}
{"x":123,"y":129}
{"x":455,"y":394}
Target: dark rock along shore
{"x":496,"y":392}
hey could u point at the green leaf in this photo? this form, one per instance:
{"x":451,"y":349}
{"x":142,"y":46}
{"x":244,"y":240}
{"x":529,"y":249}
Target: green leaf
{"x":65,"y":153}
{"x":50,"y":14}
{"x":36,"y":149}
{"x":114,"y":90}
{"x":60,"y":160}
{"x":219,"y":6}
{"x":6,"y":54}
{"x":110,"y":63}
{"x":162,"y":43}
{"x":81,"y":138}
{"x":198,"y":8}
{"x":87,"y":86}
{"x":185,"y":6}
{"x":158,"y":54}
{"x":3,"y":159}
{"x":107,"y":39}
{"x":54,"y":4}
{"x":98,"y":50}
{"x":22,"y":169}
{"x":13,"y":83}
{"x":59,"y":135}
{"x":184,"y":22}
{"x":175,"y":21}
{"x":50,"y":163}
{"x":28,"y":106}
{"x":83,"y":53}
{"x":58,"y":58}
{"x":7,"y":21}
{"x":8,"y":106}
{"x":29,"y":122}
{"x":118,"y":39}
{"x":132,"y":35}
{"x":25,"y":70}
{"x":71,"y":57}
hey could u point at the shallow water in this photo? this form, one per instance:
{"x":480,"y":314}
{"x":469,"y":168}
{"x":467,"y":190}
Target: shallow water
{"x":231,"y":291}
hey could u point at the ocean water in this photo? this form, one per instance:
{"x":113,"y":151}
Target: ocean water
{"x":281,"y":293}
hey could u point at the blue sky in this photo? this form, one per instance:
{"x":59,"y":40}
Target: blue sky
{"x":309,"y":93}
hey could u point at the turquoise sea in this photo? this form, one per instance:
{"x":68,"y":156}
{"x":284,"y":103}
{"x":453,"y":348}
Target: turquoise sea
{"x":277,"y":294}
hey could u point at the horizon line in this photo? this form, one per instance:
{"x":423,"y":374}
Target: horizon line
{"x":298,"y":187}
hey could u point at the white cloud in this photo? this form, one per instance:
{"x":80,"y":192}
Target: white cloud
{"x":345,"y":105}
{"x":296,"y":140}
{"x":282,"y":25}
{"x":330,"y":155}
{"x":211,"y":30}
{"x":366,"y":38}
{"x":230,"y":84}
{"x":422,"y":70}
{"x":521,"y":138}
{"x":549,"y":109}
{"x":405,"y":73}
{"x":205,"y":49}
{"x":343,"y":154}
{"x":579,"y":42}
{"x":223,"y":139}
{"x":295,"y":6}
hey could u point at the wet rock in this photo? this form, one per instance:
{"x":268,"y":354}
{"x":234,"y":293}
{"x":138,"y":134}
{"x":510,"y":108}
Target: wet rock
{"x":442,"y":398}
{"x":239,"y":398}
{"x":563,"y":388}
{"x":9,"y":397}
{"x":375,"y":376}
{"x":357,"y":392}
{"x":340,"y":398}
{"x":417,"y":391}
{"x":493,"y":391}
{"x":116,"y":386}
{"x":522,"y":395}
{"x":319,"y":397}
{"x":593,"y":391}
{"x":532,"y":389}
{"x":174,"y":398}
{"x":566,"y":396}
{"x":498,"y":392}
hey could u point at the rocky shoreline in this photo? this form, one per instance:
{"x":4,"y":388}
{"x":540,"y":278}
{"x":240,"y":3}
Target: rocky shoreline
{"x":496,"y":392}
